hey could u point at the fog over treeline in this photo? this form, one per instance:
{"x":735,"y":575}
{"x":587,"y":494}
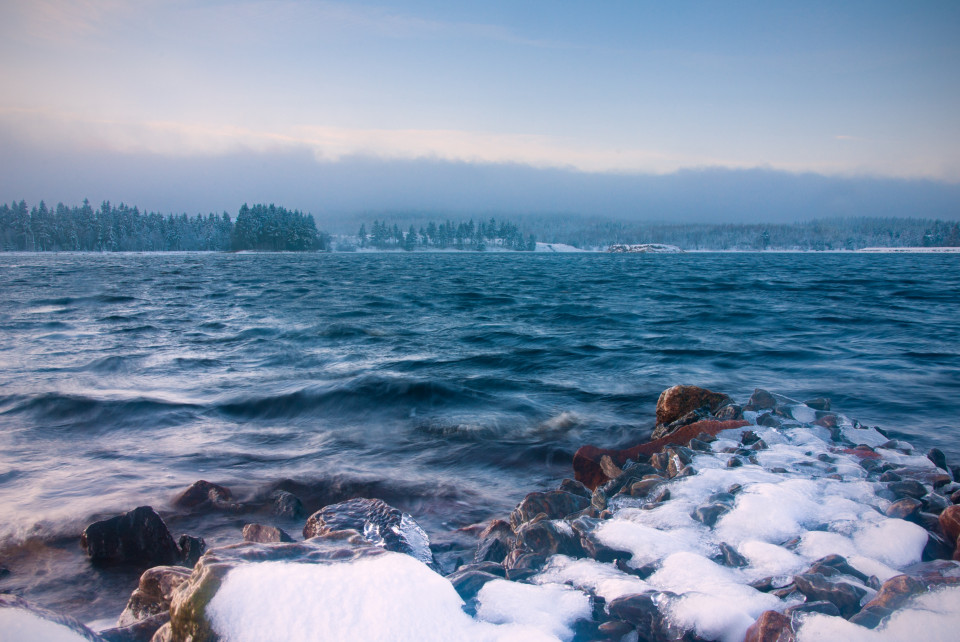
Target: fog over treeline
{"x":352,"y":190}
{"x":110,"y":228}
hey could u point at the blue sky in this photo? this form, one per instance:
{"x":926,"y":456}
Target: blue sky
{"x":848,"y":89}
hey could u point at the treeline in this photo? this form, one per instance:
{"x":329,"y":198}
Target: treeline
{"x":823,"y":234}
{"x":446,"y":234}
{"x":123,"y":228}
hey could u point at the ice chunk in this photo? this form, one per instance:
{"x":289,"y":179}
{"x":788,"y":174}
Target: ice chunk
{"x":603,"y":579}
{"x":549,"y":608}
{"x":647,"y":544}
{"x":388,"y":597}
{"x":894,"y":542}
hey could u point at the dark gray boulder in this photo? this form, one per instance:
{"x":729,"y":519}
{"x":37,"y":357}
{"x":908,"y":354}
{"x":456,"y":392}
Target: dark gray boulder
{"x":136,"y":537}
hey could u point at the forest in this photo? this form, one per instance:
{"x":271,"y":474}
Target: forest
{"x":122,"y":228}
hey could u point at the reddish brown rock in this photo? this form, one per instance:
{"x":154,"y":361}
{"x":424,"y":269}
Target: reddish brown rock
{"x":950,"y":522}
{"x":761,"y":400}
{"x":586,"y":461}
{"x":895,"y":592}
{"x":153,"y":594}
{"x":677,"y":401}
{"x":771,"y":626}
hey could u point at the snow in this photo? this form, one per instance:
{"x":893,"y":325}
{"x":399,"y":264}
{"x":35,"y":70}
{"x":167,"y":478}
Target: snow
{"x":557,"y":247}
{"x":931,"y":617}
{"x":20,"y":625}
{"x":387,"y":597}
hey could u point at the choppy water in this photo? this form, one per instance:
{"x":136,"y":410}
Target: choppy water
{"x":449,"y":385}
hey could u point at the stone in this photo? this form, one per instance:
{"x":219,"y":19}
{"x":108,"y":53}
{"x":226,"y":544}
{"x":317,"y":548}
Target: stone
{"x":837,"y":564}
{"x":761,"y":400}
{"x":890,"y":476}
{"x":264,"y":534}
{"x":820,"y":403}
{"x":731,"y":557}
{"x":938,"y":458}
{"x":689,"y":418}
{"x":679,"y":400}
{"x":135,"y":537}
{"x":870,"y":616}
{"x":907,"y":488}
{"x":935,"y":503}
{"x":68,"y":624}
{"x":729,"y":412}
{"x":907,"y":508}
{"x":555,"y":504}
{"x":771,"y":626}
{"x":496,"y":540}
{"x":469,"y":582}
{"x":547,"y":537}
{"x":895,"y":592}
{"x":950,"y":523}
{"x":586,"y":461}
{"x":576,"y":488}
{"x":710,"y":513}
{"x":153,"y":593}
{"x":936,"y":548}
{"x":609,"y":468}
{"x":823,"y":607}
{"x":286,"y":505}
{"x":202,"y":493}
{"x":644,"y":487}
{"x":644,"y":613}
{"x":378,"y":522}
{"x":191,"y":548}
{"x":769,"y":420}
{"x":843,"y":595}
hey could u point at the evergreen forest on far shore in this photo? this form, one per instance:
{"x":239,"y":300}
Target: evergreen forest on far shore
{"x":259,"y":227}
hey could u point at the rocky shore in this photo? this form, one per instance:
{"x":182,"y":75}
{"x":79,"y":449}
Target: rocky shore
{"x":767,"y":520}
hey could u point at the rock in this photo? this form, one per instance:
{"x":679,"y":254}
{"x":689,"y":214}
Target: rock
{"x":586,"y":461}
{"x":189,"y":601}
{"x":286,"y":505}
{"x":496,"y":540}
{"x":609,"y":468}
{"x":761,"y":400}
{"x":731,"y":557}
{"x":936,"y":548}
{"x":890,"y":476}
{"x":679,"y":400}
{"x":469,"y":582}
{"x":153,"y":593}
{"x":615,"y":629}
{"x":870,"y":617}
{"x":201,"y":493}
{"x":938,"y":458}
{"x":549,"y":537}
{"x":837,"y":564}
{"x":907,"y":508}
{"x":690,"y":418}
{"x":895,"y":592}
{"x":140,"y":631}
{"x":70,"y":626}
{"x":950,"y":523}
{"x":136,"y":537}
{"x":907,"y":488}
{"x":824,"y":607}
{"x":729,"y":412}
{"x":163,"y":634}
{"x":381,"y":525}
{"x":820,"y":403}
{"x":770,"y":420}
{"x":843,"y":595}
{"x":771,"y":626}
{"x":644,"y":613}
{"x":574,"y":487}
{"x":191,"y":548}
{"x":555,"y":504}
{"x":748,"y":437}
{"x":935,"y":503}
{"x":710,"y":513}
{"x":644,"y":487}
{"x":264,"y":534}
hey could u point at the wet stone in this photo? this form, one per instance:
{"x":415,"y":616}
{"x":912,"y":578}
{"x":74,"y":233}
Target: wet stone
{"x":264,"y":534}
{"x":731,"y":557}
{"x":191,"y":548}
{"x":201,"y":493}
{"x":677,"y":401}
{"x":935,"y":503}
{"x":574,"y":487}
{"x":137,"y":537}
{"x":730,"y":412}
{"x":822,"y":606}
{"x":890,"y":476}
{"x":938,"y":458}
{"x":153,"y":594}
{"x":469,"y":582}
{"x":907,"y":508}
{"x":820,"y":403}
{"x":748,"y":437}
{"x":936,"y":548}
{"x":547,"y":537}
{"x":761,"y":400}
{"x":286,"y":505}
{"x":698,"y":445}
{"x":907,"y":488}
{"x":950,"y":523}
{"x":769,"y":420}
{"x":734,"y":462}
{"x":709,"y":514}
{"x":555,"y":504}
{"x":843,"y":595}
{"x":870,"y":617}
{"x":771,"y":626}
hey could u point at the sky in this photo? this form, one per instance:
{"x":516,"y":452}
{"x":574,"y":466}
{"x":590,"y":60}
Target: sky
{"x":192,"y":105}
